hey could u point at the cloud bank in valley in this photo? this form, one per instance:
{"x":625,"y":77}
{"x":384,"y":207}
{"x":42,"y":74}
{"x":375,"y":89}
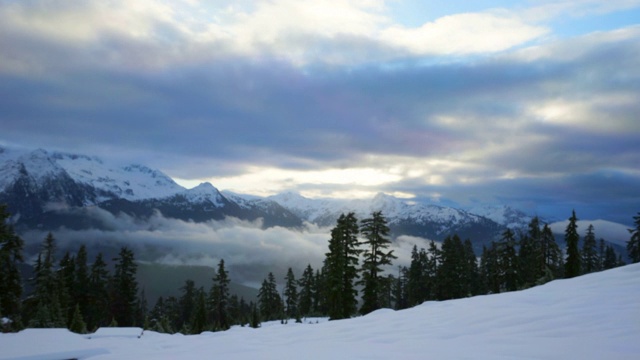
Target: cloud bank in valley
{"x":250,"y":251}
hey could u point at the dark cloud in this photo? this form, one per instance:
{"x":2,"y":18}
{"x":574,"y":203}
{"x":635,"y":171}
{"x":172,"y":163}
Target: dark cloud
{"x":199,"y":112}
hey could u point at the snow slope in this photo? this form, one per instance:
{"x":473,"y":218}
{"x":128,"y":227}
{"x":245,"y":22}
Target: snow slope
{"x":591,"y":317}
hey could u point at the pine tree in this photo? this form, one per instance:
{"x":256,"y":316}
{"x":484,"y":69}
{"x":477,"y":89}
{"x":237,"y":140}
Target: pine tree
{"x":291,"y":295}
{"x":508,"y":261}
{"x":269,"y":299}
{"x":198,"y":320}
{"x":589,"y":252}
{"x":48,"y":287}
{"x":220,"y":298}
{"x":187,"y":303}
{"x":451,"y":276}
{"x":376,"y":232}
{"x":552,"y":256}
{"x":633,"y":245}
{"x":11,"y":246}
{"x":77,"y":325}
{"x":341,"y":264}
{"x":610,"y":259}
{"x":98,"y":295}
{"x":490,"y":269}
{"x":80,"y":287}
{"x":572,"y":264}
{"x":307,"y":293}
{"x":124,"y":289}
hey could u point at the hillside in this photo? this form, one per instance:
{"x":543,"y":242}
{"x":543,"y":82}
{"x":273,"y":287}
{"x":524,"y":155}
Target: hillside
{"x":590,"y":317}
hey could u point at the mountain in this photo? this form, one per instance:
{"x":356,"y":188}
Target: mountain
{"x":404,"y":217}
{"x":47,"y":190}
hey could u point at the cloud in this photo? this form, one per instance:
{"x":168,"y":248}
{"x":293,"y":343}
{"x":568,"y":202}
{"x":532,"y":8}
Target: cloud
{"x":607,"y":230}
{"x":249,"y":250}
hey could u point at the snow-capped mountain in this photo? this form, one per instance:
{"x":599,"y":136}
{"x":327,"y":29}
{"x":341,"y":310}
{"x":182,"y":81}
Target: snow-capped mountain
{"x":404,"y":217}
{"x":42,"y":188}
{"x":50,"y":189}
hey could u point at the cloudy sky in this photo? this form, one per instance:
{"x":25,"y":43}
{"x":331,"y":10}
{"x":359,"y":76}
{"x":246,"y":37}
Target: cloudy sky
{"x":530,"y":103}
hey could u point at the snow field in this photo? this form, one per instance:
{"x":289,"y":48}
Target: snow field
{"x":595,"y":316}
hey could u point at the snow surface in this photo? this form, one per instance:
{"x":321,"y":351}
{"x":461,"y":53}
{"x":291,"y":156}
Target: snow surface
{"x":596,"y":316}
{"x":204,"y":193}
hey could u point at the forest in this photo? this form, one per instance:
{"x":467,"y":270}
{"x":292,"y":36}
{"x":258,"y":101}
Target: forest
{"x":356,"y":278}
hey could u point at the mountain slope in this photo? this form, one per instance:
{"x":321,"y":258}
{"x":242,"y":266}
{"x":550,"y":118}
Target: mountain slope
{"x":589,"y":317}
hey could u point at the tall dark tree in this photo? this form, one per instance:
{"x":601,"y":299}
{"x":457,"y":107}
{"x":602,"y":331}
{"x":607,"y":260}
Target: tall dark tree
{"x":48,"y":286}
{"x":633,"y":245}
{"x":508,"y":261}
{"x":490,"y":269}
{"x":376,"y":255}
{"x":552,"y":265}
{"x":80,"y":288}
{"x":341,"y":264}
{"x":572,"y":264}
{"x":198,"y":321}
{"x":98,"y":295}
{"x":11,"y":246}
{"x":451,"y":277}
{"x":124,"y":289}
{"x":291,"y":295}
{"x":269,"y":299}
{"x":220,"y":298}
{"x":307,"y":291}
{"x":187,"y":304}
{"x":589,"y":252}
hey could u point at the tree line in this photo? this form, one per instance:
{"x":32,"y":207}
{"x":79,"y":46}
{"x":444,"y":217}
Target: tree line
{"x":83,"y":296}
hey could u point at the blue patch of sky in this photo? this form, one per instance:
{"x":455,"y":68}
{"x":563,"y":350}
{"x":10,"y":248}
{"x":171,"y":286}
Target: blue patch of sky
{"x":569,"y":26}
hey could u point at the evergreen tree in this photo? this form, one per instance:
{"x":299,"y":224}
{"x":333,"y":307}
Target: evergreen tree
{"x":11,"y":246}
{"x":633,"y":245}
{"x":48,"y":287}
{"x":572,"y":264}
{"x":198,"y":320}
{"x":552,"y":266}
{"x":269,"y":299}
{"x":508,"y":261}
{"x":610,"y":259}
{"x":77,"y":325}
{"x":98,"y":313}
{"x":589,"y":252}
{"x":124,"y":291}
{"x":376,"y":232}
{"x":291,"y":295}
{"x":451,"y":277}
{"x":490,"y":269}
{"x":220,"y":298}
{"x":472,"y":274}
{"x":341,"y":264}
{"x":80,"y":287}
{"x":307,"y":290}
{"x":187,"y":303}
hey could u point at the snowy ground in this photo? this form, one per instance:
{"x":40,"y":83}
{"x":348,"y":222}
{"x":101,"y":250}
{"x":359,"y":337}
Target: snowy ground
{"x":591,"y":317}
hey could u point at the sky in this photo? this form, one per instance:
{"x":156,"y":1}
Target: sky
{"x":529,"y":103}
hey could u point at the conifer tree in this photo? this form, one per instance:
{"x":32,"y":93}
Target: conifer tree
{"x":633,"y":245}
{"x":508,"y":261}
{"x":376,"y":232}
{"x":187,"y":303}
{"x":490,"y":269}
{"x":589,"y":252}
{"x":552,"y":256}
{"x":77,"y":324}
{"x":269,"y":299}
{"x":291,"y":295}
{"x":341,"y":264}
{"x":80,"y":287}
{"x":220,"y":298}
{"x":11,"y":246}
{"x":98,"y":313}
{"x":572,"y":264}
{"x":198,"y":320}
{"x":307,"y":290}
{"x":124,"y":289}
